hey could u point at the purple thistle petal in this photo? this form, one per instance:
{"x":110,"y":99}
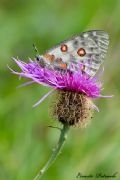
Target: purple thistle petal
{"x":95,"y":107}
{"x":102,"y":96}
{"x":25,"y":84}
{"x":42,"y":99}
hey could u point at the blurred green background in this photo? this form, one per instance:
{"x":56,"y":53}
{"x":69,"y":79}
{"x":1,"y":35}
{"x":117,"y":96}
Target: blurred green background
{"x":26,"y":140}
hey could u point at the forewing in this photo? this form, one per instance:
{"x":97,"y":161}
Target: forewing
{"x":89,"y":48}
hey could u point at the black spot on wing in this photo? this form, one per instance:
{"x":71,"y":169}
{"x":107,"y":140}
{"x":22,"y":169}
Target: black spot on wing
{"x":75,"y":43}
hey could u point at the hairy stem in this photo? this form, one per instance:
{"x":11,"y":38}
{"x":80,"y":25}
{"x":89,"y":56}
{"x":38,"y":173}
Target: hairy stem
{"x":56,"y":151}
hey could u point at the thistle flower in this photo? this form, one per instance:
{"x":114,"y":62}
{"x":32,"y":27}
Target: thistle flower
{"x":74,"y":91}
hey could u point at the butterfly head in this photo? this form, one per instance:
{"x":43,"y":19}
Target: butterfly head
{"x":40,"y":60}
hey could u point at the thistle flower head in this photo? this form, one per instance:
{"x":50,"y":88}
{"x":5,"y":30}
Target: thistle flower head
{"x":75,"y":90}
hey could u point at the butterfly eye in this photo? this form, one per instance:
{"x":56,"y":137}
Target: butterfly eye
{"x":37,"y":58}
{"x":64,"y":48}
{"x":81,"y":52}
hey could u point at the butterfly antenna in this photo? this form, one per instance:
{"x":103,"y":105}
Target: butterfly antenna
{"x":36,"y":50}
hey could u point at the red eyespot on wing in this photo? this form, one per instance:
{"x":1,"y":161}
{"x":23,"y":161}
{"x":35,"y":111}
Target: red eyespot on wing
{"x":63,"y":66}
{"x":81,"y":52}
{"x":64,"y":48}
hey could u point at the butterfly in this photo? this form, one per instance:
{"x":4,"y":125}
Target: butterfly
{"x":88,"y":49}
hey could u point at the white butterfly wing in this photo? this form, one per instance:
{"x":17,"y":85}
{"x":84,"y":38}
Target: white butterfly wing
{"x":89,"y":48}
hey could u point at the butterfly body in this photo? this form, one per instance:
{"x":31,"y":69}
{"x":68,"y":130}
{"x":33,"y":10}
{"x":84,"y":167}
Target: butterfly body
{"x":88,"y":49}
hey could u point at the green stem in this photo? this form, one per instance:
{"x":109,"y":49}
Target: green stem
{"x":56,"y":151}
